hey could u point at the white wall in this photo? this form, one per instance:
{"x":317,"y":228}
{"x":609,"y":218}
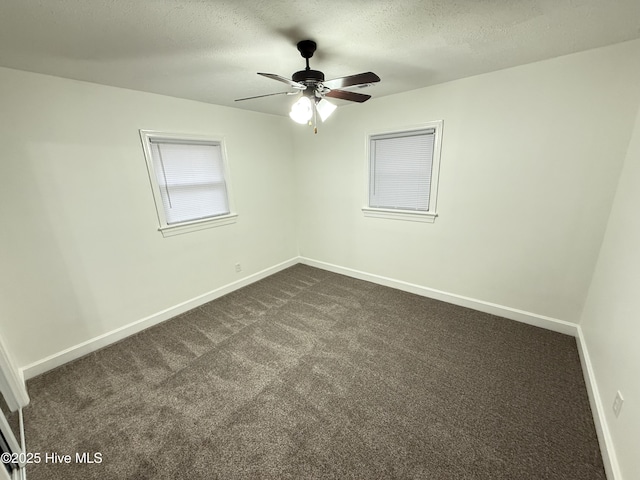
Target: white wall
{"x":80,"y":252}
{"x":611,"y":318}
{"x":530,"y":163}
{"x":530,"y":160}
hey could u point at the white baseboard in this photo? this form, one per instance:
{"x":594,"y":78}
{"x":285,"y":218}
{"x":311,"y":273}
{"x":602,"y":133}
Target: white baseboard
{"x":609,"y":457}
{"x":553,"y":324}
{"x":522,"y":316}
{"x":602,"y":430}
{"x":108,"y":338}
{"x":113,"y":336}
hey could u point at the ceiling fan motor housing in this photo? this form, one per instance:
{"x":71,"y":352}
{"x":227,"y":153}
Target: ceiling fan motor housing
{"x":308,"y":77}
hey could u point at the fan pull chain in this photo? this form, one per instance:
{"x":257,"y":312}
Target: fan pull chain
{"x":315,"y":119}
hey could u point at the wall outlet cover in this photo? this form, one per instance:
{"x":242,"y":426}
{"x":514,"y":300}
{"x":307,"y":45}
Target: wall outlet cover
{"x":617,"y":403}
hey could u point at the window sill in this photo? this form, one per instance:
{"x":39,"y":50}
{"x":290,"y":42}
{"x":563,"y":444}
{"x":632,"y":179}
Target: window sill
{"x":425,"y":217}
{"x":186,"y":227}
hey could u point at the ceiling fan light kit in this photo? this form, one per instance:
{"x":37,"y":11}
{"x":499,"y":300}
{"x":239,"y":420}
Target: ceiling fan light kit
{"x":325,"y":108}
{"x":301,"y":111}
{"x":312,"y":88}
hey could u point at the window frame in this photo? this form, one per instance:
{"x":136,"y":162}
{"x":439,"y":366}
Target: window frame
{"x":399,"y":214}
{"x":167,"y":230}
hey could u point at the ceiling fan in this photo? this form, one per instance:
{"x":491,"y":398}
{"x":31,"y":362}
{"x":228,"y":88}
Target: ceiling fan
{"x":313,"y":88}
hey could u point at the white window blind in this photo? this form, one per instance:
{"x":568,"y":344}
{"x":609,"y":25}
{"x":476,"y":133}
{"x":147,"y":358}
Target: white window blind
{"x":401,"y":170}
{"x":190,"y":178}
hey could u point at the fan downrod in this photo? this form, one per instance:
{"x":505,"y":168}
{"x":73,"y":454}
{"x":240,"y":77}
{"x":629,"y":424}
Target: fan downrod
{"x":308,"y":77}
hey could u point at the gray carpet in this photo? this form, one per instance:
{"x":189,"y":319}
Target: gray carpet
{"x":308,"y":374}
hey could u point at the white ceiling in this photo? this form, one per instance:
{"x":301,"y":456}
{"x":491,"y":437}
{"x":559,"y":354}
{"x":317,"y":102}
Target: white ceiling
{"x":211,"y":50}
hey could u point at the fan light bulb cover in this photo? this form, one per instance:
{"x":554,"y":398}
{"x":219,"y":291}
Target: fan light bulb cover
{"x":301,"y":111}
{"x":325,"y":108}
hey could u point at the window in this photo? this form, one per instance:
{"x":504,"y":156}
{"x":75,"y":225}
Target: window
{"x":403,"y":173}
{"x":189,"y":180}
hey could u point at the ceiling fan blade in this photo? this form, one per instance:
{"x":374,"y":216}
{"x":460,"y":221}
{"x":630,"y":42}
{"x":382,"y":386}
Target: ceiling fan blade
{"x":358,"y":79}
{"x":291,"y":83}
{"x":267,"y":95}
{"x":351,"y":96}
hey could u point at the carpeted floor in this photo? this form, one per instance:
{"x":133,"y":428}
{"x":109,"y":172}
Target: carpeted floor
{"x":308,"y":374}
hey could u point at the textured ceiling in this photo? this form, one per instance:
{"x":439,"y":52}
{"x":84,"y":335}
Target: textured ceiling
{"x":211,"y":50}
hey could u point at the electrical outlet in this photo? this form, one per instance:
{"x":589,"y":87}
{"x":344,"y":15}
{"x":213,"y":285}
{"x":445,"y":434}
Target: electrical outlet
{"x":238,"y":268}
{"x":617,"y":403}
